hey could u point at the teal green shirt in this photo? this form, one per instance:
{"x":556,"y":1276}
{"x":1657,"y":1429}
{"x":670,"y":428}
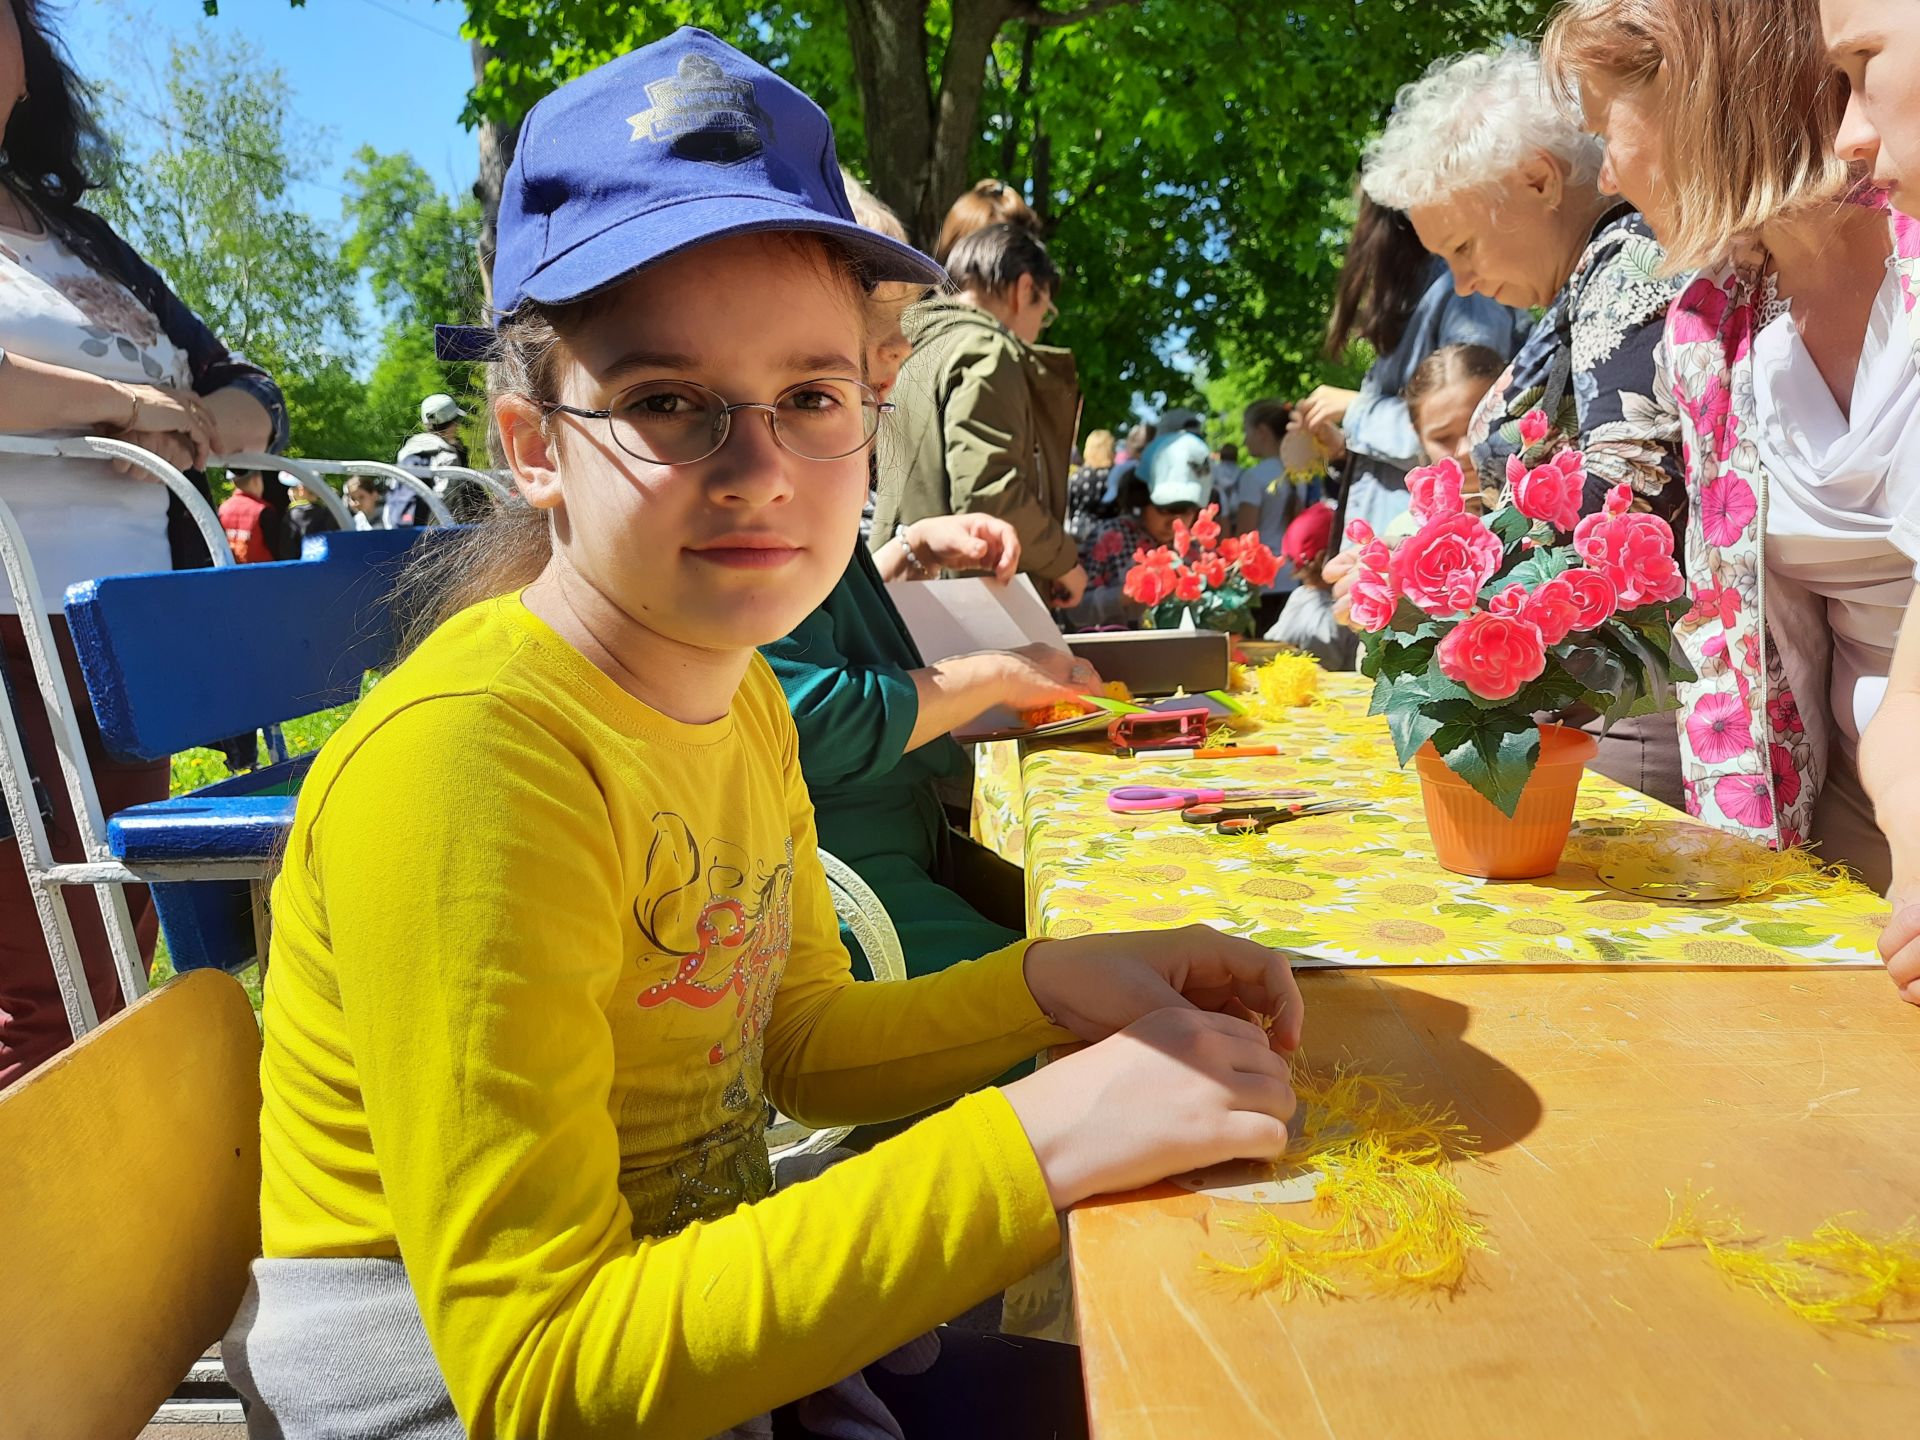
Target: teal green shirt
{"x":844,"y":670}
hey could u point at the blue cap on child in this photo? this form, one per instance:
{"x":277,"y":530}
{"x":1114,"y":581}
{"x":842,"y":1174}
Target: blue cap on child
{"x":677,"y":143}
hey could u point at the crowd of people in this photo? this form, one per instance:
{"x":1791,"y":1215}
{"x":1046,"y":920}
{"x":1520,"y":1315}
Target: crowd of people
{"x":513,"y":1136}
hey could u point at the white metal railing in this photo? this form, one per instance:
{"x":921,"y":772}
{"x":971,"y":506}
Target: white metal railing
{"x":302,"y":470}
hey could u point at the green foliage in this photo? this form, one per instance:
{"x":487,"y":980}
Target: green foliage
{"x":1192,"y":159}
{"x":201,"y":190}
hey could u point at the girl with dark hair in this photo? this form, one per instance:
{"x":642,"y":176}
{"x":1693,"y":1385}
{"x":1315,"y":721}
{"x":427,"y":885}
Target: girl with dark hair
{"x":1401,"y":301}
{"x":92,"y":342}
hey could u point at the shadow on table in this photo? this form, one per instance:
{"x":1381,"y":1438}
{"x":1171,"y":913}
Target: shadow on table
{"x":1372,"y":1022}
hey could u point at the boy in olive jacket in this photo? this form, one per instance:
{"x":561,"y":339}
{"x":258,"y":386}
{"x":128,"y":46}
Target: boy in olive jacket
{"x":986,"y":416}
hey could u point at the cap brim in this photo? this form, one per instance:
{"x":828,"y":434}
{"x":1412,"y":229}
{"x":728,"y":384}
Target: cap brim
{"x":615,"y":253}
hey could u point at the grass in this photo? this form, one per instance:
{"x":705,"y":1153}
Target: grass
{"x":194,"y":768}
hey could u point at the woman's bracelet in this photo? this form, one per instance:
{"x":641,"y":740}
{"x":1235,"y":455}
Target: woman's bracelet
{"x":920,"y":568}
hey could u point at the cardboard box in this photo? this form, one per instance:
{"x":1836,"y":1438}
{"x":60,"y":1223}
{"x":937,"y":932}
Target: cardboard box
{"x":1158,"y":662}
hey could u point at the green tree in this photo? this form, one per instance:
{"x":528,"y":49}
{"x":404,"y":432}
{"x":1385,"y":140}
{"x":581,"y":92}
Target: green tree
{"x":201,"y":189}
{"x":419,"y":251}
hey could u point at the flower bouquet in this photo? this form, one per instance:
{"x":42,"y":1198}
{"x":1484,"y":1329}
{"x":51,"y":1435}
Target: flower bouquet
{"x":1214,"y":580}
{"x":1473,"y":626}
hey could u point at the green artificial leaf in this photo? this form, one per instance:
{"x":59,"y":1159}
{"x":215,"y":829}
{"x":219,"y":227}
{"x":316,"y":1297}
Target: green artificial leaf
{"x":1541,"y":564}
{"x":1510,"y":525}
{"x":1410,"y":724}
{"x":1496,"y":755}
{"x":1554,"y":690}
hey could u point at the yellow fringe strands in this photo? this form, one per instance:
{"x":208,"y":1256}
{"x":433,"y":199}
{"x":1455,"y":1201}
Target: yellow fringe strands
{"x":1386,"y":1217}
{"x":1695,"y":862}
{"x":1284,"y":683}
{"x":1838,"y":1277}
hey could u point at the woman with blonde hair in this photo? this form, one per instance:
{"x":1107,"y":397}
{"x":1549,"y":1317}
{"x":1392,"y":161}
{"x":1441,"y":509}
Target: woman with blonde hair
{"x":1793,"y":368}
{"x":1087,"y":503}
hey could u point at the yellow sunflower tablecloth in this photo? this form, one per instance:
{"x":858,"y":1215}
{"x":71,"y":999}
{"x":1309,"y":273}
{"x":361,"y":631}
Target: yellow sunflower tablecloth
{"x":1363,"y":888}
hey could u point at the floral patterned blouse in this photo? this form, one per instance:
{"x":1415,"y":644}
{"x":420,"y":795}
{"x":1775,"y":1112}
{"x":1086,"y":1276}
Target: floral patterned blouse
{"x":1593,"y":364}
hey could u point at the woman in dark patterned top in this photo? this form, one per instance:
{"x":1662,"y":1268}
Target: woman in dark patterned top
{"x":1506,"y":188}
{"x":1087,"y":503}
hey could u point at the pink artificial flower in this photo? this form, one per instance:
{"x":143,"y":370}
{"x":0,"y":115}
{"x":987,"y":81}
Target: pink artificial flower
{"x":1534,"y":426}
{"x":1634,"y":551}
{"x":1745,"y":800}
{"x":1442,"y":566}
{"x":1727,"y":507}
{"x":1786,"y":778}
{"x":1374,"y":597}
{"x":1718,"y":728}
{"x":1436,"y":490}
{"x":1510,"y":601}
{"x":1593,"y":592}
{"x":1359,"y":532}
{"x":1492,"y":655}
{"x":1552,"y":492}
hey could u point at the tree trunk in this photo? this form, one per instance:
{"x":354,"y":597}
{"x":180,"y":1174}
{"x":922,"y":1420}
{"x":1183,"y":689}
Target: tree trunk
{"x":889,"y":40}
{"x":496,"y":154}
{"x":963,"y":74}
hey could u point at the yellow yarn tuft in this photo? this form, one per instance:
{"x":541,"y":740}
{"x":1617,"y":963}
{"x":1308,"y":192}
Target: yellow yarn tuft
{"x":1838,"y":1277}
{"x":1284,"y":683}
{"x":1386,"y":1217}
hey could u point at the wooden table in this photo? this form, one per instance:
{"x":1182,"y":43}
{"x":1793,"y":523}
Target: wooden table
{"x":1794,"y":1095}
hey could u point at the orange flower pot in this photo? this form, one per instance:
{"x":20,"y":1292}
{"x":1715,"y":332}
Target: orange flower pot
{"x":1472,"y":837}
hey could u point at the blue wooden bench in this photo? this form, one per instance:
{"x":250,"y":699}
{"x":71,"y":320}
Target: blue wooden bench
{"x":180,"y":658}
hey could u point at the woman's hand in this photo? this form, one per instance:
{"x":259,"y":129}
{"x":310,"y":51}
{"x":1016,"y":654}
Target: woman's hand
{"x":1036,"y":675}
{"x":172,"y":424}
{"x":1328,"y":438}
{"x":1095,"y":985}
{"x":966,"y":542}
{"x":1325,"y":408}
{"x":1339,"y":572}
{"x":1172,"y":1092}
{"x":1900,"y":941}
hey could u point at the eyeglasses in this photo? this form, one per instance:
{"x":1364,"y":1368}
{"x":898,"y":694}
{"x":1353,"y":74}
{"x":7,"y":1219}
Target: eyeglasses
{"x":676,"y":422}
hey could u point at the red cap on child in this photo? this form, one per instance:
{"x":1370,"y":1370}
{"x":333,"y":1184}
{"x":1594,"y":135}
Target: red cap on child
{"x":1308,"y":536}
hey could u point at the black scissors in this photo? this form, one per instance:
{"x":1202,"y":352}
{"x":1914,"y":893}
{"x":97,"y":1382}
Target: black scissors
{"x":1252,"y":819}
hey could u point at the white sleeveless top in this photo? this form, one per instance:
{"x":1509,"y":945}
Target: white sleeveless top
{"x":1843,"y":492}
{"x":81,"y":519}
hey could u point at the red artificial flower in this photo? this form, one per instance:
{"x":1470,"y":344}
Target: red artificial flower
{"x":1359,"y":532}
{"x":1594,"y":594}
{"x":1634,"y":551}
{"x":1181,"y":538}
{"x":1188,"y":586}
{"x":1436,"y":490}
{"x":1534,"y":426}
{"x":1492,"y":655}
{"x":1206,"y":530}
{"x":1212,"y":568}
{"x":1551,"y":492}
{"x":1257,"y":563}
{"x":1374,"y":596}
{"x":1442,"y":566}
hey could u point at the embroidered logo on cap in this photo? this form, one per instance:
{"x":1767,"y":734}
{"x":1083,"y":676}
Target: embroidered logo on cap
{"x":704,"y":115}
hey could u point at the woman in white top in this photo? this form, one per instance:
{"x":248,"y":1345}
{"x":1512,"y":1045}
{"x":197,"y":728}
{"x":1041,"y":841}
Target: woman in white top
{"x":1876,"y":45}
{"x":1792,"y":357}
{"x":91,"y":343}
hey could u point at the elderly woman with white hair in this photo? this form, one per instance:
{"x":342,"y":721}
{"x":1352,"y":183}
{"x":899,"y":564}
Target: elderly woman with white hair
{"x":1502,"y":185}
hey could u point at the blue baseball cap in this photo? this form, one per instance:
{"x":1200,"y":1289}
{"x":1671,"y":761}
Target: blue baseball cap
{"x":669,"y":146}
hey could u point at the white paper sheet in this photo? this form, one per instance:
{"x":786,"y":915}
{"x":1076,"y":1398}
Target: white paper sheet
{"x":956,"y":617}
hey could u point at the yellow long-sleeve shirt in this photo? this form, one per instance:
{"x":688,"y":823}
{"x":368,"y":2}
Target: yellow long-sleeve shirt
{"x":540,"y":955}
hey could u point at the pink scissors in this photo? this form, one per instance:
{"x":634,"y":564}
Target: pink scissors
{"x":1137,"y":799}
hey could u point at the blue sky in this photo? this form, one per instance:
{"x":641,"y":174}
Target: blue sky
{"x":388,"y":73}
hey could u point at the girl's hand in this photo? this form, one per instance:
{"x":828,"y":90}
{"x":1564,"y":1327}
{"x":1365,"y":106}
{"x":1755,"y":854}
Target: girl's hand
{"x":966,"y":542}
{"x":1069,"y":589}
{"x":1172,"y":1092}
{"x":1900,"y":945}
{"x":1339,"y":572}
{"x":1097,"y":984}
{"x":1326,"y":407}
{"x":1036,"y":675}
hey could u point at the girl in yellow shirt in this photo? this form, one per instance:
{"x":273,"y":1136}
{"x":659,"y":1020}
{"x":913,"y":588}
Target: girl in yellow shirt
{"x":516,"y":1180}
